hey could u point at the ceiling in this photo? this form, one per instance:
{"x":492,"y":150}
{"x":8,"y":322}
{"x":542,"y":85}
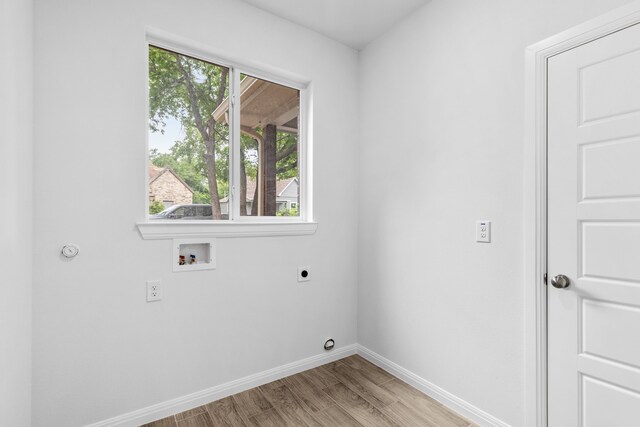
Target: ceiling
{"x":352,"y":22}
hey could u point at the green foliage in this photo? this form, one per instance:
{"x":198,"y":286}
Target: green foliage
{"x":168,"y":91}
{"x":170,"y":77}
{"x":249,"y":148}
{"x":287,"y":167}
{"x":155,"y":207}
{"x":287,"y":212}
{"x":190,"y":170}
{"x":286,"y":147}
{"x":189,"y":90}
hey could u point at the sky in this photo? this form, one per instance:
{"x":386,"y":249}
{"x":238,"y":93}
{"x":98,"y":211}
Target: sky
{"x":172,"y":132}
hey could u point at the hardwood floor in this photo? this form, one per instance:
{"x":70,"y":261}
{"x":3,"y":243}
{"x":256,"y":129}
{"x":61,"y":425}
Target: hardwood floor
{"x":349,"y":392}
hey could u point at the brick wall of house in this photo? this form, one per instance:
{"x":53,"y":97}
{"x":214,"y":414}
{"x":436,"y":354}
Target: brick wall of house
{"x":167,"y":188}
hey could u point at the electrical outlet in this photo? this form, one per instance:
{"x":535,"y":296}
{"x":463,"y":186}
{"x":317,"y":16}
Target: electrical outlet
{"x":304,"y":274}
{"x":483,"y":231}
{"x":154,"y":290}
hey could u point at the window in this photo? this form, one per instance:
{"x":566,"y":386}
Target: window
{"x":224,"y":144}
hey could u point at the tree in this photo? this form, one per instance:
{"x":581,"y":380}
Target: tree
{"x":156,"y":207}
{"x":190,"y":90}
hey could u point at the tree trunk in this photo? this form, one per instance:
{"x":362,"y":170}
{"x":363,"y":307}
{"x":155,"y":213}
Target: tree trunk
{"x":206,"y":129}
{"x":269,"y":168}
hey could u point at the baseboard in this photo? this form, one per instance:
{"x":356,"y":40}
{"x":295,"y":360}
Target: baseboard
{"x":456,"y":404}
{"x":184,"y":403}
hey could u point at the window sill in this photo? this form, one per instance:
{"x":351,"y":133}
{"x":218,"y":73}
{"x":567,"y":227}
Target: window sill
{"x":173,"y":230}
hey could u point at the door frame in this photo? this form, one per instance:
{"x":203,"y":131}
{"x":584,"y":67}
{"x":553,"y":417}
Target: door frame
{"x":535,"y":196}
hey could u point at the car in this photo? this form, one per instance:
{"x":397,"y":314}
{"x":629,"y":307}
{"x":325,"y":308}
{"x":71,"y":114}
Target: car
{"x":186,"y":212}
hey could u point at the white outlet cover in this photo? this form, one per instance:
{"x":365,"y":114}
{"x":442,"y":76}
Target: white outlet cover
{"x":301,"y":276}
{"x":154,"y":290}
{"x":483,"y":231}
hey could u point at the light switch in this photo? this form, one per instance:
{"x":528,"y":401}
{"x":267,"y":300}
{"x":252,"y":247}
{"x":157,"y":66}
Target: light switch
{"x":483,"y":231}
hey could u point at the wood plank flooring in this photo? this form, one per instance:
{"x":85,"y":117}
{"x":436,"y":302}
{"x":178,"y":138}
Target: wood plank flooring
{"x":349,"y":392}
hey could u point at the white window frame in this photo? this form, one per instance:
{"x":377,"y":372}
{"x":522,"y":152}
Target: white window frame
{"x":236,"y":225}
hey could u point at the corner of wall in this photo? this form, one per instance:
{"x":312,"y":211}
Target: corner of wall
{"x":16,"y":217}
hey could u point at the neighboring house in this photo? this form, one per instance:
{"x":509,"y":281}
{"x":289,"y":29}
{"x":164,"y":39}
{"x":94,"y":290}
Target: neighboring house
{"x":287,"y":192}
{"x":167,"y":187}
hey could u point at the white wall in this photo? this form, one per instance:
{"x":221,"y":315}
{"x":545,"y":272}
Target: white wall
{"x":16,"y":188}
{"x":99,"y":349}
{"x":442,"y":105}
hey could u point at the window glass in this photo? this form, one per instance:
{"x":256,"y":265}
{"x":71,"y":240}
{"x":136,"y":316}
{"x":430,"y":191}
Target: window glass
{"x":190,"y":137}
{"x":269,"y":115}
{"x":188,"y":148}
{"x":178,"y":213}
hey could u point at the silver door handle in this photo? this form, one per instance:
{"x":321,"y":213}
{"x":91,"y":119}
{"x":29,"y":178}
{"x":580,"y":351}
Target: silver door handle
{"x":561,"y":281}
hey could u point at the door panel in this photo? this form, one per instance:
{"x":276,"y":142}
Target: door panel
{"x":603,"y":90}
{"x":600,"y":322}
{"x":594,"y":233}
{"x":607,"y":404}
{"x":609,"y":169}
{"x":610,"y":250}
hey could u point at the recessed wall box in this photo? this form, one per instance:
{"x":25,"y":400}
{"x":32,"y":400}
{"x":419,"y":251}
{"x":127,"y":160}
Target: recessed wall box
{"x":194,"y":254}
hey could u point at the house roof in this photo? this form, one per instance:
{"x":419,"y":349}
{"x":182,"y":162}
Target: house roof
{"x":281,"y":186}
{"x":156,"y":172}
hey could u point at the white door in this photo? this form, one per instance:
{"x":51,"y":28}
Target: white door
{"x":594,"y":233}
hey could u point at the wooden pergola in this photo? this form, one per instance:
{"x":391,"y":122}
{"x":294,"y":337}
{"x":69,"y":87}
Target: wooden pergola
{"x":272,"y":108}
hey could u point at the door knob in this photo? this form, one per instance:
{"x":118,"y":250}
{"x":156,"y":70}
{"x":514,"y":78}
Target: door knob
{"x":561,"y":281}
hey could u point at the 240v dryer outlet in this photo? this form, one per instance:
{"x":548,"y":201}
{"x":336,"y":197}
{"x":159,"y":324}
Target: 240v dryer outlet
{"x":304,"y":274}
